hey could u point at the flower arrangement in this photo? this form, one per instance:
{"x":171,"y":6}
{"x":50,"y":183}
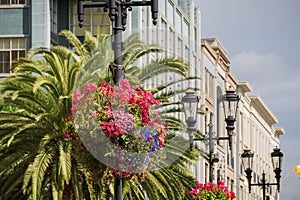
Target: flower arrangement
{"x":125,"y":118}
{"x":212,"y":191}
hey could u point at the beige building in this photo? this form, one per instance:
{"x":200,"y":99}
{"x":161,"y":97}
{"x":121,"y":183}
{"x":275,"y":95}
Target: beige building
{"x":253,"y":128}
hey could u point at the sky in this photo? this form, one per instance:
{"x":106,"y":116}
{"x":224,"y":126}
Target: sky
{"x":262,"y":38}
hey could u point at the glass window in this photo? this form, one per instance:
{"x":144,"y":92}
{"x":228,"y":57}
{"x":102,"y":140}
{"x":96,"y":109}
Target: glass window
{"x":179,"y":47}
{"x":4,"y":62}
{"x":162,"y":7}
{"x":170,"y":12}
{"x":12,"y":2}
{"x":178,"y":22}
{"x":172,"y":42}
{"x":163,"y":35}
{"x":4,"y":2}
{"x":93,"y":18}
{"x":6,"y":44}
{"x":185,"y":30}
{"x":11,"y":49}
{"x":53,"y":15}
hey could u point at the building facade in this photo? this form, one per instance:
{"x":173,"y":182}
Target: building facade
{"x":254,"y":127}
{"x":177,"y":33}
{"x":216,"y":78}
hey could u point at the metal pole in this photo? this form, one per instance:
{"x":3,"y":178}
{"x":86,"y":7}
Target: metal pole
{"x":264,"y":185}
{"x":211,"y":148}
{"x":117,"y":68}
{"x":118,"y":188}
{"x":117,"y":71}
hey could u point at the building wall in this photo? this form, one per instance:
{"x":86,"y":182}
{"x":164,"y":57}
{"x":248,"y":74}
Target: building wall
{"x":256,"y":131}
{"x":254,"y":126}
{"x":215,"y":68}
{"x":176,"y":32}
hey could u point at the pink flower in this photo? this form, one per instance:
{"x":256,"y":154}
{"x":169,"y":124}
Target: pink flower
{"x":136,"y":87}
{"x":66,"y":135}
{"x":73,"y":110}
{"x":77,"y":94}
{"x":94,"y":113}
{"x":69,"y":118}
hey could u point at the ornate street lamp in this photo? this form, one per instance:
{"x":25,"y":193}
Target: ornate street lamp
{"x":117,"y":12}
{"x":230,"y":103}
{"x":277,"y":157}
{"x":247,"y":160}
{"x":190,"y":105}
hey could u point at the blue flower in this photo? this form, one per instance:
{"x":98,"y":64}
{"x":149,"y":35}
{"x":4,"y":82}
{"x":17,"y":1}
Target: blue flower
{"x":155,"y":145}
{"x":146,"y":133}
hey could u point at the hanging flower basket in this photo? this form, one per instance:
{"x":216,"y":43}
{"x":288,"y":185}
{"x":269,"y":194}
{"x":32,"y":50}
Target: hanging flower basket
{"x":125,"y":121}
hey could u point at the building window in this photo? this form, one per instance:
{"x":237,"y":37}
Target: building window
{"x":178,"y":22}
{"x":172,"y":43}
{"x":12,"y":2}
{"x":170,"y":12}
{"x":186,"y":30}
{"x":163,"y":35}
{"x":11,"y":49}
{"x":179,"y":47}
{"x":93,"y":19}
{"x":53,"y":16}
{"x":209,"y":84}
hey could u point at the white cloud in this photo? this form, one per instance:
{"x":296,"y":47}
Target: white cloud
{"x":261,"y":69}
{"x":269,"y":77}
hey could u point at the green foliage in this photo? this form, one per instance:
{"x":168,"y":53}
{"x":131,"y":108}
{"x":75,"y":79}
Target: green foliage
{"x":37,"y":161}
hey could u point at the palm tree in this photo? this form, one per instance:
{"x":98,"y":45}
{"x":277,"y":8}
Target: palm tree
{"x":37,"y":159}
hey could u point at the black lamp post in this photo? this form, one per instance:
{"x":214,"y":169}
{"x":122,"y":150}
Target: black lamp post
{"x":117,"y":11}
{"x":247,"y":160}
{"x":230,"y":103}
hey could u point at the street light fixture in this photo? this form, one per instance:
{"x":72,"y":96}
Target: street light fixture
{"x":247,"y":160}
{"x":190,"y":105}
{"x":117,"y":11}
{"x":230,"y":103}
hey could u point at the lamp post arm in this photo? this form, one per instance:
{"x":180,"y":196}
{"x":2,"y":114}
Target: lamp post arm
{"x":260,"y":184}
{"x":200,"y":139}
{"x":223,"y":138}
